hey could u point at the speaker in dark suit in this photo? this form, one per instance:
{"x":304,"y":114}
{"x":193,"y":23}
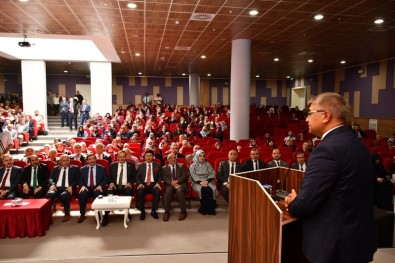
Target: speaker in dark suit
{"x":335,"y":202}
{"x":63,"y":182}
{"x":10,"y":177}
{"x":175,"y":178}
{"x":148,"y":182}
{"x":93,"y":182}
{"x":226,"y":168}
{"x":35,"y":178}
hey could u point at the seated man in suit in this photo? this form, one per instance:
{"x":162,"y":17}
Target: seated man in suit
{"x":277,"y":162}
{"x":121,"y":179}
{"x":175,"y":178}
{"x":174,"y":148}
{"x":78,"y":155}
{"x":300,"y":163}
{"x":35,"y":178}
{"x":63,"y":181}
{"x":29,"y":151}
{"x":10,"y":177}
{"x":101,"y":154}
{"x":254,"y":163}
{"x":148,"y":182}
{"x":93,"y":181}
{"x":231,"y":166}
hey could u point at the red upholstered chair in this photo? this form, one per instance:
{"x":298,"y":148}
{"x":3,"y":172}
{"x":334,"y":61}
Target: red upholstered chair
{"x":76,"y":163}
{"x":20,"y":163}
{"x":105,"y":164}
{"x":51,"y":165}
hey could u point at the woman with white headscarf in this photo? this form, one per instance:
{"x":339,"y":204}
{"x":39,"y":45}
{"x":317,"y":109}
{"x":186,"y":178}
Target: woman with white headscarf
{"x":203,"y":176}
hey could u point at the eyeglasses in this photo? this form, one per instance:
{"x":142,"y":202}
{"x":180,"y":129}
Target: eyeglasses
{"x":314,"y":111}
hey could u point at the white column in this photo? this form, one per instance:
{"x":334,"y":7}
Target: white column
{"x":194,"y":89}
{"x":101,"y":88}
{"x":240,"y":89}
{"x":34,"y":88}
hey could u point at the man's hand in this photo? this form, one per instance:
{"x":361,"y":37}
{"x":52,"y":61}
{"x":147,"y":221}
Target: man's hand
{"x":111,"y":186}
{"x":204,"y":183}
{"x":83,"y":189}
{"x":141,"y":186}
{"x":158,"y":186}
{"x":289,"y":199}
{"x":26,"y":189}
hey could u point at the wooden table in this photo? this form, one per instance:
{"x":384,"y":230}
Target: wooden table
{"x":30,"y":219}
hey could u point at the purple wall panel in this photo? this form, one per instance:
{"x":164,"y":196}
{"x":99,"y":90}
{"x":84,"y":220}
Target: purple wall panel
{"x":70,"y":82}
{"x":12,"y":85}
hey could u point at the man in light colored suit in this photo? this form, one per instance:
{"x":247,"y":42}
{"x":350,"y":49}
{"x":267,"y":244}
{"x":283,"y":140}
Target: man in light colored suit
{"x":93,"y":181}
{"x":231,"y":166}
{"x":175,"y":178}
{"x":148,"y":181}
{"x":85,"y":109}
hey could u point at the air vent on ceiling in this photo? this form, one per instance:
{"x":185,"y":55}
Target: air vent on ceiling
{"x":202,"y":17}
{"x":381,"y":28}
{"x":182,"y":48}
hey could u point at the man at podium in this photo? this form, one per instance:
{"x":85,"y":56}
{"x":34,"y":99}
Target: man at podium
{"x":335,"y":199}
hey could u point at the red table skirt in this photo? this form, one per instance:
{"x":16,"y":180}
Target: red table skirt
{"x":29,"y":220}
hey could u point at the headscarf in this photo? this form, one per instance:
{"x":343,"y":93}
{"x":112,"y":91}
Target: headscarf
{"x":196,"y":156}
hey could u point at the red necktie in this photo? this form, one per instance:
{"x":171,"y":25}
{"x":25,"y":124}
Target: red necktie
{"x":91,"y":182}
{"x":148,"y":181}
{"x":4,"y":179}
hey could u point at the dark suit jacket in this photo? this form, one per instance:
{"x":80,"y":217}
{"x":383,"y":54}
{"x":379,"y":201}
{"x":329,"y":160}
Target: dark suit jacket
{"x":87,"y":109}
{"x":15,"y":177}
{"x":82,"y":158}
{"x":101,"y":177}
{"x":74,"y":175}
{"x":295,"y":165}
{"x":42,"y":176}
{"x":335,"y":201}
{"x":142,"y":171}
{"x":224,"y":170}
{"x":130,"y":173}
{"x":181,"y":175}
{"x":273,"y":164}
{"x":75,"y":108}
{"x":249,"y":165}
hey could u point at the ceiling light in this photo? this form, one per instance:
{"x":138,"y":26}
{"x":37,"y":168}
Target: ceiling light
{"x":253,"y":12}
{"x":65,"y":71}
{"x":203,"y":56}
{"x":137,"y":54}
{"x":208,"y":75}
{"x":140,"y":73}
{"x":257,"y":76}
{"x":183,"y":74}
{"x":318,"y":17}
{"x":310,"y":61}
{"x":379,"y":21}
{"x":343,"y":62}
{"x":132,"y":5}
{"x":177,"y":22}
{"x":23,"y":1}
{"x":276,"y":59}
{"x":288,"y":77}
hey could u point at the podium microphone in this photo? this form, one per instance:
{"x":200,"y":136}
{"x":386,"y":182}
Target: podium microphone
{"x":282,"y":194}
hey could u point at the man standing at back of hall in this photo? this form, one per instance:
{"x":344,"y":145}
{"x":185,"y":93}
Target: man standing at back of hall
{"x":335,"y":202}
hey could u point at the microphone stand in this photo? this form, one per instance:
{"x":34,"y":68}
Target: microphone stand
{"x":282,"y":194}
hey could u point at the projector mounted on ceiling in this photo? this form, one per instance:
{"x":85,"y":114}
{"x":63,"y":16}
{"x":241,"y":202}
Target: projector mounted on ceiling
{"x":24,"y":43}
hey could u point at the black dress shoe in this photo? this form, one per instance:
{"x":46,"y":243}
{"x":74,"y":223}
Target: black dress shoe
{"x":105,"y":221}
{"x":154,"y":215}
{"x":81,"y":219}
{"x":142,"y":216}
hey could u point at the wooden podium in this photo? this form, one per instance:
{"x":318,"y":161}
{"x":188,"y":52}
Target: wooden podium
{"x":260,"y":229}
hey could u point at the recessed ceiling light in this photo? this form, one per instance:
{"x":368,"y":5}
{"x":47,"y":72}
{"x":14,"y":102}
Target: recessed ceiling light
{"x":140,"y":73}
{"x":208,"y":75}
{"x":343,"y":62}
{"x":177,"y":22}
{"x":253,"y":12}
{"x":131,"y":5}
{"x":379,"y":21}
{"x":123,"y":51}
{"x":183,"y":74}
{"x":318,"y":17}
{"x":310,"y":61}
{"x":23,"y":1}
{"x":203,"y":56}
{"x":257,"y":76}
{"x":65,"y":71}
{"x":288,"y":77}
{"x":276,"y":59}
{"x":137,"y":54}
